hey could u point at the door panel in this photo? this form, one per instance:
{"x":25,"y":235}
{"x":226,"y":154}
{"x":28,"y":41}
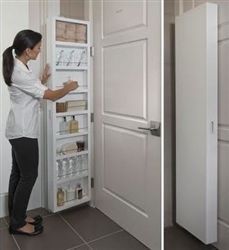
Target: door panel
{"x":118,"y":15}
{"x":127,"y":96}
{"x":121,"y":164}
{"x":125,"y":69}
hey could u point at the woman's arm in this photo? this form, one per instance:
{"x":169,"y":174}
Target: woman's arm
{"x":54,"y":95}
{"x":45,"y":75}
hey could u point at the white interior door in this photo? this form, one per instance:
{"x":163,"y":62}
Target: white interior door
{"x":127,"y":96}
{"x":196,"y":122}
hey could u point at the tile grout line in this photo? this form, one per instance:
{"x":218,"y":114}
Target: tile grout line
{"x":15,"y":241}
{"x":75,"y":247}
{"x":105,"y":236}
{"x":73,"y":229}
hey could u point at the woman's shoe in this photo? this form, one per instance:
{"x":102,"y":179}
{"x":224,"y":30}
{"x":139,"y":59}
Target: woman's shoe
{"x":37,"y":220}
{"x":37,"y":230}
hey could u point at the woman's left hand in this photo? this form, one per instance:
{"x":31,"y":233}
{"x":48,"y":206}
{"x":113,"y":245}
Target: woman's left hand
{"x":46,"y":74}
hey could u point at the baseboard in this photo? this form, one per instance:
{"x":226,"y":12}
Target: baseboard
{"x":3,"y":205}
{"x":223,"y":236}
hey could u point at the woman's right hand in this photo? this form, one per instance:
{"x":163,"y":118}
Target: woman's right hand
{"x":71,"y":85}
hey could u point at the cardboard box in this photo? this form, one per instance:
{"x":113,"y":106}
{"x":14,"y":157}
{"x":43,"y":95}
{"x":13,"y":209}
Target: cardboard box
{"x":76,"y":105}
{"x":61,"y":107}
{"x":60,"y":31}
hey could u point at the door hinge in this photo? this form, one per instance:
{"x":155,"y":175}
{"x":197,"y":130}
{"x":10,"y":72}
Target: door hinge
{"x":92,"y":51}
{"x":92,"y":182}
{"x":92,"y":117}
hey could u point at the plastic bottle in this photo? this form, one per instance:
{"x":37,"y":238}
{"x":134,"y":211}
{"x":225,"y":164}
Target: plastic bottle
{"x":63,"y":126}
{"x":70,"y":193}
{"x":85,"y":164}
{"x":77,"y":165}
{"x":65,"y":167}
{"x":71,"y":166}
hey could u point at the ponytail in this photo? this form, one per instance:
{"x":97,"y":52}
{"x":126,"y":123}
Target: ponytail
{"x":8,"y":65}
{"x":23,"y":40}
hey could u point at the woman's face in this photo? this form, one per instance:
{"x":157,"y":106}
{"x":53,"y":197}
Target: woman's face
{"x":33,"y":53}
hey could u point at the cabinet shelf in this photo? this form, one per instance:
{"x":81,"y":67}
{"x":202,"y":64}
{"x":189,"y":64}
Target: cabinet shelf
{"x":72,"y":203}
{"x":77,"y":91}
{"x":83,"y":112}
{"x":70,"y":44}
{"x":71,"y":155}
{"x":58,"y":137}
{"x":71,"y":68}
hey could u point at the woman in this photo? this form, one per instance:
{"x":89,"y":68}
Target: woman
{"x":22,"y":126}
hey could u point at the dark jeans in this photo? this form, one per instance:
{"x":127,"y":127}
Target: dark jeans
{"x":22,"y":179}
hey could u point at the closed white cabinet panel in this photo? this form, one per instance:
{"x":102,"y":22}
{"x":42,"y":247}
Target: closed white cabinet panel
{"x":127,"y":96}
{"x":196,"y":122}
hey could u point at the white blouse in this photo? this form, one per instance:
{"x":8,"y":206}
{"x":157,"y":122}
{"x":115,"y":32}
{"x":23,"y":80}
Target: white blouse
{"x":25,"y":92}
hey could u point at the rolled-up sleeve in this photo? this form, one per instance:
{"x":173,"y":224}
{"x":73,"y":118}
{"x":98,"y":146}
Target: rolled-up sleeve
{"x":29,"y":84}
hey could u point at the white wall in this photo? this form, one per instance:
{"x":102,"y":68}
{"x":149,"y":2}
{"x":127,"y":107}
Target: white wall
{"x":11,"y":24}
{"x":15,"y":16}
{"x":169,"y":15}
{"x":223,"y":120}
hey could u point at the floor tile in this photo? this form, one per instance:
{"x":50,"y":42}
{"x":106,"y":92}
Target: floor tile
{"x":57,"y":235}
{"x":84,"y":247}
{"x":39,"y":211}
{"x":118,"y":241}
{"x":2,"y":223}
{"x":6,"y":241}
{"x":177,"y":238}
{"x":89,"y":222}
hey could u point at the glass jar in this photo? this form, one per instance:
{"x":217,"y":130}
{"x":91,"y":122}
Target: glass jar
{"x":60,"y":197}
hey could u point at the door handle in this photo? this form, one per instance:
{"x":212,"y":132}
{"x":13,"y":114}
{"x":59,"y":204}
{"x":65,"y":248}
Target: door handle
{"x":155,"y":128}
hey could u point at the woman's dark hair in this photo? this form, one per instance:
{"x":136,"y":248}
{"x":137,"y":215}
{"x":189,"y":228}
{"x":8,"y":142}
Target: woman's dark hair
{"x":23,"y":40}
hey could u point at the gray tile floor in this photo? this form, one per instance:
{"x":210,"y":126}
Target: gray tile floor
{"x":81,"y":228}
{"x":177,"y":238}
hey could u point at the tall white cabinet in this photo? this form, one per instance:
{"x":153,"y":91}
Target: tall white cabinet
{"x":68,"y":119}
{"x":196,"y":122}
